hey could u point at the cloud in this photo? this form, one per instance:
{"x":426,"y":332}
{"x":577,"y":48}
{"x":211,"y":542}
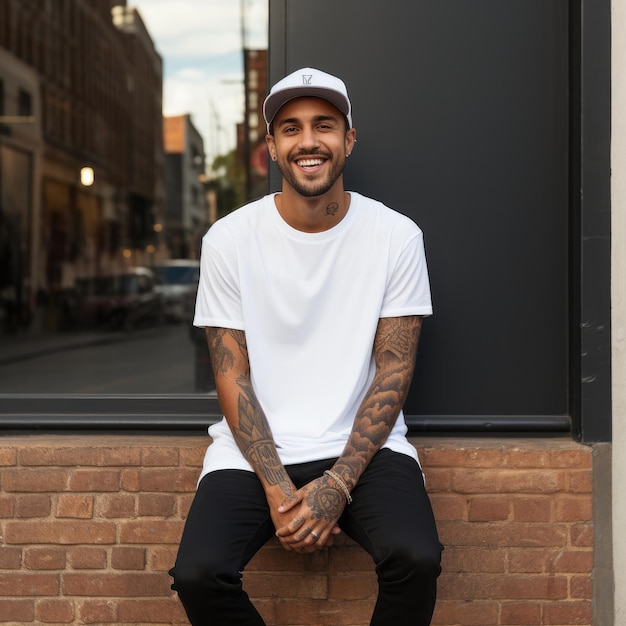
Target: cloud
{"x":201,"y":28}
{"x":201,"y":45}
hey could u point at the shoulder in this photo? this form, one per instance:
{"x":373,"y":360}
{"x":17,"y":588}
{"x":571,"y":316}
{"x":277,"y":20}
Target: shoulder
{"x":238,"y":222}
{"x":384,"y":216}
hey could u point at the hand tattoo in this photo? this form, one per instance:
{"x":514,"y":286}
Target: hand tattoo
{"x":325,"y":501}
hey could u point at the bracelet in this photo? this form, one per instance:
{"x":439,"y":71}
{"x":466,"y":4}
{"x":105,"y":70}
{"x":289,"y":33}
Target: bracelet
{"x":341,"y":484}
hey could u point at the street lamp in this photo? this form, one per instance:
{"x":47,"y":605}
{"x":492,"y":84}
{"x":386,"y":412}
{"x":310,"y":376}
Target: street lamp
{"x":87,"y":176}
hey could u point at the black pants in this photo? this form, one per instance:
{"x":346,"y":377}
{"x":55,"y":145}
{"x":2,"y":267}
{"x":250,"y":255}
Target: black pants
{"x":390,"y":517}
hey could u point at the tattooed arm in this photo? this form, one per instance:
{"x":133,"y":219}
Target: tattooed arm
{"x":245,"y":417}
{"x":395,"y":348}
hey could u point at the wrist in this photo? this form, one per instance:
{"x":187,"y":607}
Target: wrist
{"x":341,"y":484}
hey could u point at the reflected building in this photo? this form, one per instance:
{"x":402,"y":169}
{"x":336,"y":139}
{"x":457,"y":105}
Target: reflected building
{"x":251,"y":147}
{"x":81,"y":157}
{"x":187,"y":212}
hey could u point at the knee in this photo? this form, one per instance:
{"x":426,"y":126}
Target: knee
{"x":194,"y":577}
{"x":411,"y":562}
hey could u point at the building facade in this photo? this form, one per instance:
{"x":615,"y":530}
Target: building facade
{"x":94,"y":92}
{"x":187,"y":211}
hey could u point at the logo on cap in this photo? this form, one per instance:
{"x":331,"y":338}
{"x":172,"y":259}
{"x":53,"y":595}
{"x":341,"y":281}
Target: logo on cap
{"x":306,"y":79}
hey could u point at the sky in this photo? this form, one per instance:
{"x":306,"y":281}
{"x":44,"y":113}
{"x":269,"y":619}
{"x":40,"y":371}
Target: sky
{"x":200,"y":42}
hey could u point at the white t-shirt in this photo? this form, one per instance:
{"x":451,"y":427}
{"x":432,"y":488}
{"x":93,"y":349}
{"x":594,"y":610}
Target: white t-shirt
{"x":309,"y":304}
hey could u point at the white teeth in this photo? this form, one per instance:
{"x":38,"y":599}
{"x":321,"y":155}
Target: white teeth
{"x":309,"y":162}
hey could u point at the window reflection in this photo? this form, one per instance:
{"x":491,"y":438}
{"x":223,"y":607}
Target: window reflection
{"x":106,"y":191}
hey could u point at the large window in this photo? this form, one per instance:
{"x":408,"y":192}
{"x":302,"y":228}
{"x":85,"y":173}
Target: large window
{"x":122,"y":141}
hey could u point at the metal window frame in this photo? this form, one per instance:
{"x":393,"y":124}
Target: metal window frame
{"x":590,"y":337}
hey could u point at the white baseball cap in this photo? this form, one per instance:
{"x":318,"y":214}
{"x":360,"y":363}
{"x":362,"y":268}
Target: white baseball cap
{"x":307,"y":82}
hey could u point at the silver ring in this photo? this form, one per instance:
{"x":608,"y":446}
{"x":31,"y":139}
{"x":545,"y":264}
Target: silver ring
{"x":315,"y":535}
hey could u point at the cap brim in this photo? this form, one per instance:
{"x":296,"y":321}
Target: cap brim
{"x":276,"y":100}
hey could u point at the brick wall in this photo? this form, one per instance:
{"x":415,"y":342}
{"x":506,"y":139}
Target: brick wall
{"x":90,"y":526}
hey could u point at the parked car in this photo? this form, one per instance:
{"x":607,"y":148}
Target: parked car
{"x":178,"y":284}
{"x":122,"y":301}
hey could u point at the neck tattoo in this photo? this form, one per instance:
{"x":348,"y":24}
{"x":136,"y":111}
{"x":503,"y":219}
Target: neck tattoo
{"x":332,"y":208}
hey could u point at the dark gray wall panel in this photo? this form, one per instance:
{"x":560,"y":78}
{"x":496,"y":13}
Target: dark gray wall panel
{"x":461,"y":109}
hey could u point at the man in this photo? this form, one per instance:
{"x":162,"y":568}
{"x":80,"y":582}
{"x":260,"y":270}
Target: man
{"x":312,"y":300}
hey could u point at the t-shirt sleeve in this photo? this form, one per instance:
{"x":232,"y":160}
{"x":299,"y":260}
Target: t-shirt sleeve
{"x":218,"y":302}
{"x":408,"y":286}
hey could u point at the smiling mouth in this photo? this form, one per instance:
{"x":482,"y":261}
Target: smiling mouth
{"x":311,"y":162}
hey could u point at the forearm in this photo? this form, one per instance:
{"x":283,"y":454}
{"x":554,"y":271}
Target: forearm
{"x":243,"y":412}
{"x":395,"y":349}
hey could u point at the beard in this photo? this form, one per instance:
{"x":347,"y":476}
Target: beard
{"x":311,"y":188}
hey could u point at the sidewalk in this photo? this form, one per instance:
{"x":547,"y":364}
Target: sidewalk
{"x":21,"y":347}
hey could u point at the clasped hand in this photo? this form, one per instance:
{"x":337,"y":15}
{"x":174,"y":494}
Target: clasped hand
{"x":314,"y":509}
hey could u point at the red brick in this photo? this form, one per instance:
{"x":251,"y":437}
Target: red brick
{"x":154,"y":611}
{"x":17,"y":611}
{"x":10,"y":558}
{"x":303,"y":612}
{"x":117,"y":506}
{"x":130,"y":480}
{"x":574,"y":612}
{"x":184,"y":504}
{"x":503,"y":534}
{"x":431,"y":457}
{"x":582,"y":535}
{"x":97,"y":612}
{"x":34,"y":480}
{"x":508,"y":481}
{"x":55,"y":611}
{"x":574,"y":509}
{"x":352,"y":586}
{"x":156,"y":505}
{"x":44,"y":558}
{"x":581,"y":587}
{"x":150,"y":531}
{"x":477,"y":560}
{"x":484,"y":458}
{"x":94,"y":480}
{"x":524,"y":458}
{"x":33,"y":506}
{"x":272,"y":585}
{"x":533,"y":509}
{"x":63,"y":533}
{"x":75,"y":506}
{"x":573,"y":562}
{"x":520,"y":614}
{"x":438,"y":479}
{"x":489,"y":508}
{"x":275,"y":558}
{"x":161,"y":558}
{"x":468,"y":587}
{"x":128,"y":558}
{"x":7,"y":507}
{"x":193,"y":457}
{"x":349,"y":558}
{"x":87,"y":558}
{"x":580,"y":482}
{"x":466,"y":613}
{"x":8,"y":456}
{"x":17,"y":584}
{"x":168,"y":480}
{"x":86,"y":455}
{"x":531,"y":561}
{"x":116,"y":585}
{"x":578,"y":457}
{"x":160,"y":457}
{"x":449,"y":507}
